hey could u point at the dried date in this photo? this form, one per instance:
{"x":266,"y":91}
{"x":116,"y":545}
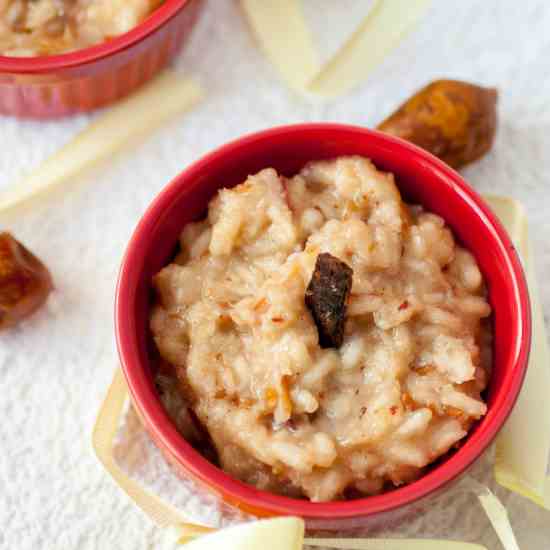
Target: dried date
{"x":327,"y":297}
{"x":25,"y":282}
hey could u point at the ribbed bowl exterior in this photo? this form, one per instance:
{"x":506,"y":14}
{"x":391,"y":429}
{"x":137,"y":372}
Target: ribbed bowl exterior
{"x":85,"y":87}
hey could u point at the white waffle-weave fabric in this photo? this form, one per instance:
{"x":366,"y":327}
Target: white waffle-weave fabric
{"x":54,"y":369}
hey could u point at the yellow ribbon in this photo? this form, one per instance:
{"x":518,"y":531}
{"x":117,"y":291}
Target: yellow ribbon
{"x":286,"y":38}
{"x":394,"y":544}
{"x":103,"y":437}
{"x":142,"y":112}
{"x":523,"y":444}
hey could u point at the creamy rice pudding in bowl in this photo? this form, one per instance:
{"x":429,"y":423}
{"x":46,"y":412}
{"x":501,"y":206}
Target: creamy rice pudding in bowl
{"x":45,"y":27}
{"x":323,"y":321}
{"x":58,"y":57}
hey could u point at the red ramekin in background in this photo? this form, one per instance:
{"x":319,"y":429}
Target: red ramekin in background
{"x":422,"y":179}
{"x":59,"y":85}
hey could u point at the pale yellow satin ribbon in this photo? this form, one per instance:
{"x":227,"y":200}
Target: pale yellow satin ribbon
{"x":523,"y":445}
{"x":138,"y":115}
{"x":286,"y":39}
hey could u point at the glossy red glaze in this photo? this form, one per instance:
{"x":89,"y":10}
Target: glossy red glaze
{"x":59,"y":85}
{"x":422,"y":179}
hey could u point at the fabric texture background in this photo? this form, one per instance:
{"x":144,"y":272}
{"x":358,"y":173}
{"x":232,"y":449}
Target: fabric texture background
{"x":55,"y":368}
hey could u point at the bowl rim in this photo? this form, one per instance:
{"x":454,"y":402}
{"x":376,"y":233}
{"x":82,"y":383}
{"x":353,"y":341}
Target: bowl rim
{"x":47,"y":63}
{"x":246,"y":496}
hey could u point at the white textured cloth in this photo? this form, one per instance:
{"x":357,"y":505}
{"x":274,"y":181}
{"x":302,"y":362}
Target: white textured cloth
{"x":55,"y":368}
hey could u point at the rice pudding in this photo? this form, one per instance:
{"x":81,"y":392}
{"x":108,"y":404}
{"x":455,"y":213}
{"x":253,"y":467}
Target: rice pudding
{"x":45,"y":27}
{"x":241,"y":349}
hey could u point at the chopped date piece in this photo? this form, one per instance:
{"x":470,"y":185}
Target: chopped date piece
{"x":24,"y":282}
{"x":327,"y":296}
{"x":455,"y":121}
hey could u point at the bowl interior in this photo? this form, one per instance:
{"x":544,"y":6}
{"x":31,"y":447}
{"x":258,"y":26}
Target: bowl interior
{"x":422,"y":179}
{"x":86,"y":55}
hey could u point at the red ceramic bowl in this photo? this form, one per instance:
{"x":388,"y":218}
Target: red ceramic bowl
{"x":59,"y":85}
{"x":422,"y":179}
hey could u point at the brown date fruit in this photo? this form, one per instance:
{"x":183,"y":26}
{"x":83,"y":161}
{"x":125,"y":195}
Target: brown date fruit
{"x":25,"y":282}
{"x":455,"y":121}
{"x":327,"y":298}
